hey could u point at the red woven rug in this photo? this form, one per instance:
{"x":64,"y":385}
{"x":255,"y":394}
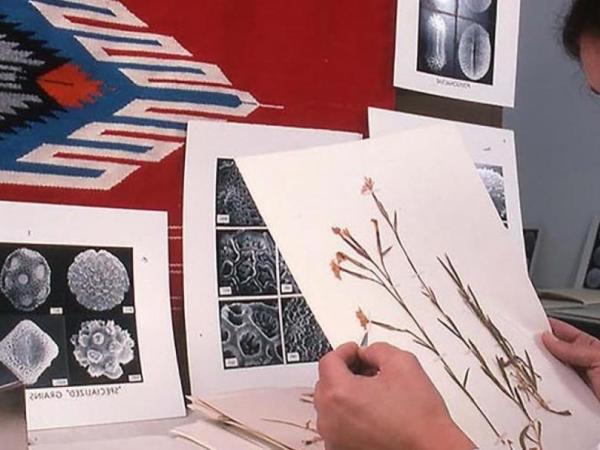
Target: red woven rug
{"x":95,"y":94}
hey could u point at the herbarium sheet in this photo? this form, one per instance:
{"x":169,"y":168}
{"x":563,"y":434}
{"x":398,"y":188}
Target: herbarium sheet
{"x":248,"y":324}
{"x":396,"y":238}
{"x":85,"y":315}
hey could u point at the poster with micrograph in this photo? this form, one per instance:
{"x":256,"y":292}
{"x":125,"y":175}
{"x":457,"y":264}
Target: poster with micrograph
{"x":463,"y":49}
{"x":395,"y":238}
{"x":492,"y":150}
{"x":78,"y":314}
{"x":248,"y":324}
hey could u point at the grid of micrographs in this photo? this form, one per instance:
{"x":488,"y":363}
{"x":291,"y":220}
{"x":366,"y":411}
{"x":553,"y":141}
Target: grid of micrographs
{"x":264,"y":319}
{"x":457,"y":39}
{"x":68,"y":315}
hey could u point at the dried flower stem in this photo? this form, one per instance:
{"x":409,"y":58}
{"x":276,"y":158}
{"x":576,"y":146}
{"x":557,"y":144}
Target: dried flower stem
{"x":228,"y":421}
{"x":307,"y":427}
{"x":375,"y":271}
{"x":521,"y":367}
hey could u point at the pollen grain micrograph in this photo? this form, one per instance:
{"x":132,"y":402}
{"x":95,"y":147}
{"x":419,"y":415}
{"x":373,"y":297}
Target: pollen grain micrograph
{"x":246,"y":262}
{"x":25,"y":279}
{"x":456,"y":39}
{"x":103,"y":348}
{"x":493,"y":179}
{"x":250,"y":334}
{"x":286,"y":279}
{"x":98,"y":280}
{"x":303,"y":336}
{"x":28,"y":351}
{"x":235,"y":205}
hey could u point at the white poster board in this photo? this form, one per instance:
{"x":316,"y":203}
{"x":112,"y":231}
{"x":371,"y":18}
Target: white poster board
{"x":433,"y":202}
{"x":492,"y":150}
{"x":247,"y":323}
{"x":86,"y":318}
{"x":463,"y":49}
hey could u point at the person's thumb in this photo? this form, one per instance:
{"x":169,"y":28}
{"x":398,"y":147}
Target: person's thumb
{"x":571,"y":353}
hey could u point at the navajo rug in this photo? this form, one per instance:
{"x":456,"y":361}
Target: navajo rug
{"x":95,"y":94}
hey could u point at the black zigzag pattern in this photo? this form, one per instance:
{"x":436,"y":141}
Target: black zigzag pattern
{"x":22,"y":60}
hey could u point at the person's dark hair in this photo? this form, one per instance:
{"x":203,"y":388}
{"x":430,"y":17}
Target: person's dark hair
{"x":584,"y":17}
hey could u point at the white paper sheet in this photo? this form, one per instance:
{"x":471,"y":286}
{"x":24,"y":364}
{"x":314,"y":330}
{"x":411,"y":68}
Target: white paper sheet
{"x":463,"y":49}
{"x":212,"y":436}
{"x":219,"y":217}
{"x":66,"y":270}
{"x":427,"y":176}
{"x":492,"y":150}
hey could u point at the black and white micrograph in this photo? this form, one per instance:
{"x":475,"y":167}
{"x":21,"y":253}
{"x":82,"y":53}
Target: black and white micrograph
{"x":103,"y":351}
{"x":67,"y":314}
{"x":246,"y":263}
{"x":592,"y":272}
{"x":287,"y":283}
{"x":234,"y":202}
{"x":457,"y":39}
{"x":303,"y":337}
{"x":98,"y":280}
{"x":250,"y":334}
{"x":531,"y":238}
{"x":31,"y":349}
{"x":25,"y":279}
{"x":493,"y":179}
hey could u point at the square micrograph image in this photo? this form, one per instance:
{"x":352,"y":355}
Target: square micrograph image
{"x":246,"y":263}
{"x":436,"y":46}
{"x":493,"y":179}
{"x":234,"y":202}
{"x":33,"y":348}
{"x":103,"y":350}
{"x":592,"y":273}
{"x":32,"y":279}
{"x":287,"y":283}
{"x":250,"y":334}
{"x":99,"y":279}
{"x":303,"y":337}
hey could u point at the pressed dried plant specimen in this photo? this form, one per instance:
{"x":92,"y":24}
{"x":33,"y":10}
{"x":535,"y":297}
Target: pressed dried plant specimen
{"x":513,"y":375}
{"x":215,"y":414}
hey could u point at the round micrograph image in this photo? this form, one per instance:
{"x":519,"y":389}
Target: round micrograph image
{"x":250,"y":333}
{"x":98,"y":280}
{"x":478,"y":6}
{"x":28,"y":351}
{"x":475,"y":52}
{"x":493,"y":180}
{"x":102,"y":348}
{"x":592,"y":279}
{"x":25,"y":279}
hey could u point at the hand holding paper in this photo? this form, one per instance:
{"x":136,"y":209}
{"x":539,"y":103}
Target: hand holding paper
{"x":383,"y":411}
{"x":577,"y":349}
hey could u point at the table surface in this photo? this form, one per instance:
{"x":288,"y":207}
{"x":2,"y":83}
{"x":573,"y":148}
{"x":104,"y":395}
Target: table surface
{"x":148,"y":435}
